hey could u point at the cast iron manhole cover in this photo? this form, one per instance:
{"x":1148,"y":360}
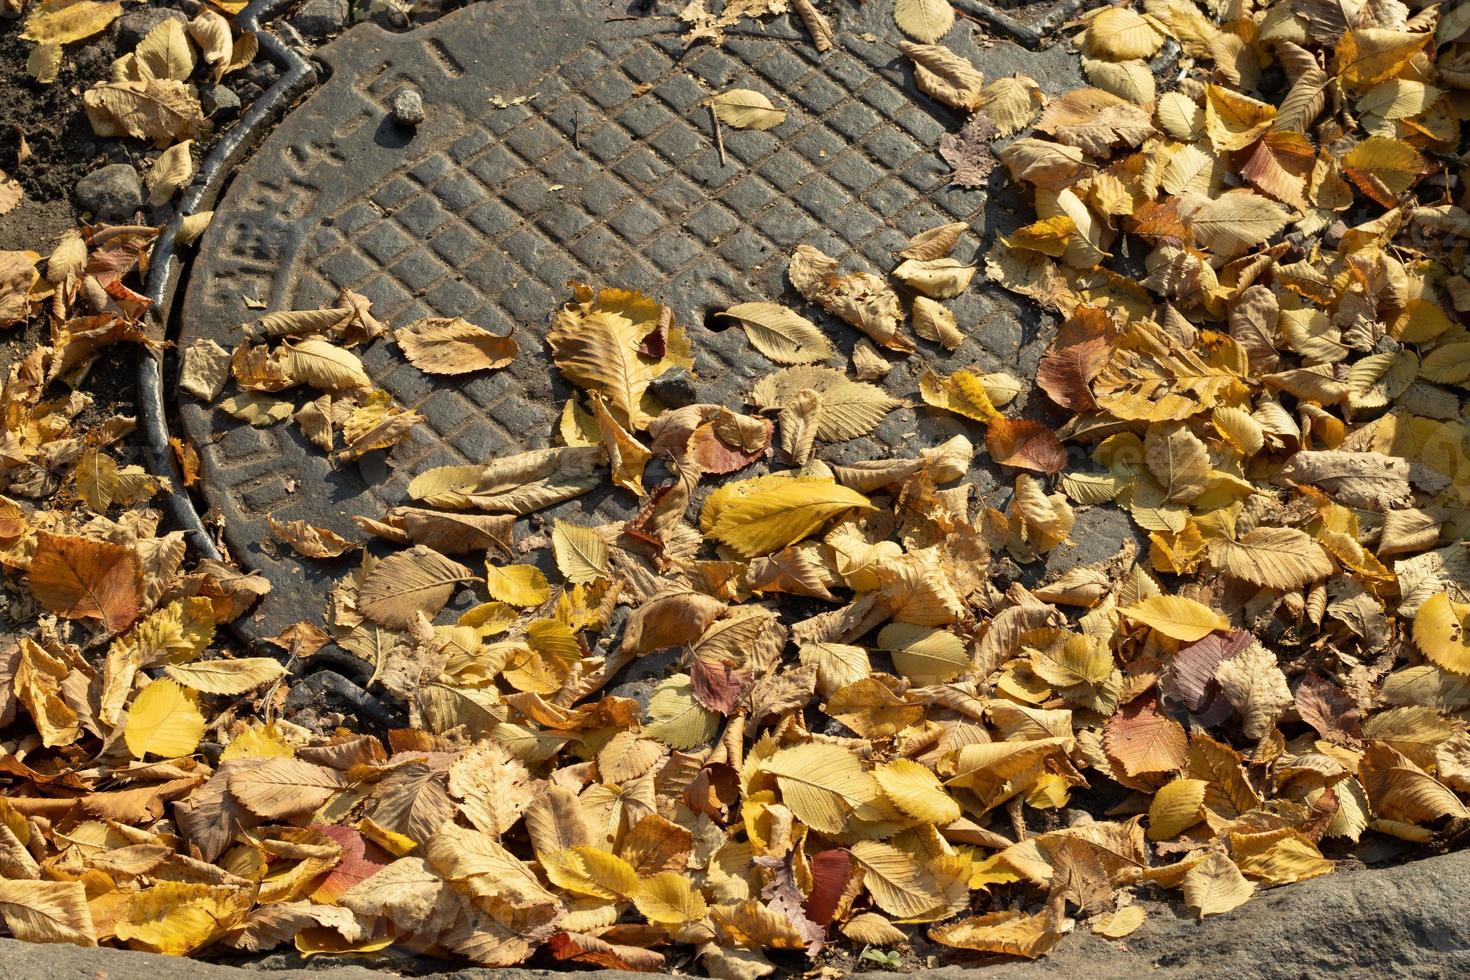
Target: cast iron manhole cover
{"x":560,"y":145}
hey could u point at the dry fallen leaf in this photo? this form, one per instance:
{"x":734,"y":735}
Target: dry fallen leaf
{"x":926,"y":21}
{"x":864,"y":677}
{"x":781,"y":334}
{"x":452,"y":346}
{"x":745,"y":108}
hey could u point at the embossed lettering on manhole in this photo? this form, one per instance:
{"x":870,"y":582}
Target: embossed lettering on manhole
{"x":606,"y":174}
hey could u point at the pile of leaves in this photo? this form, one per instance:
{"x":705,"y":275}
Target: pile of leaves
{"x":1262,"y":348}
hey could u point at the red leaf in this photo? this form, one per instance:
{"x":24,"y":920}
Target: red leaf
{"x":716,"y":457}
{"x":1191,"y":677}
{"x":361,"y":859}
{"x":830,"y":873}
{"x":717,"y":686}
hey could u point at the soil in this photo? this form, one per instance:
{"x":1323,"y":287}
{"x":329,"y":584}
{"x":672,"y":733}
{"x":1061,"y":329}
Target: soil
{"x":50,"y":117}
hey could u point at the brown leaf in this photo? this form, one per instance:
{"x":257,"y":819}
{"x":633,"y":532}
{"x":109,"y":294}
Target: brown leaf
{"x":409,"y":584}
{"x":310,"y":541}
{"x":968,"y":152}
{"x":1142,"y":740}
{"x":79,"y":578}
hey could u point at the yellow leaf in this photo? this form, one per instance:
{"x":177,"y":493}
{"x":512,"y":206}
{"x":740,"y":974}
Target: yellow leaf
{"x":164,"y":721}
{"x":408,"y":584}
{"x":1010,"y":103}
{"x":591,"y":871}
{"x":899,"y":885}
{"x":1384,"y":168}
{"x":1442,"y":631}
{"x":1011,"y":933}
{"x":926,"y":21}
{"x":745,"y":108}
{"x":946,"y":76}
{"x":47,"y":912}
{"x":453,"y":346}
{"x":1176,"y":617}
{"x":771,"y":514}
{"x":781,"y":334}
{"x":1282,"y":558}
{"x":1121,"y":34}
{"x":1116,"y":925}
{"x":227,"y":676}
{"x":517,"y":585}
{"x":44,"y":62}
{"x":963,"y":393}
{"x":171,"y":172}
{"x":309,"y":540}
{"x":282,"y":788}
{"x":669,"y":899}
{"x":676,"y":718}
{"x":917,"y":792}
{"x":1177,"y":806}
{"x":595,"y":342}
{"x":1215,"y":885}
{"x":259,"y":742}
{"x":581,"y":552}
{"x":936,"y":278}
{"x":1369,"y":55}
{"x":821,"y":783}
{"x":1179,"y":460}
{"x":162,"y":110}
{"x":37,"y":685}
{"x":65,"y":21}
{"x":871,"y":929}
{"x":934,"y":243}
{"x":1236,"y":222}
{"x":924,"y":655}
{"x":324,"y":366}
{"x":1234,"y":121}
{"x":626,"y":456}
{"x":175,"y":918}
{"x":1448,"y":364}
{"x":1278,"y":857}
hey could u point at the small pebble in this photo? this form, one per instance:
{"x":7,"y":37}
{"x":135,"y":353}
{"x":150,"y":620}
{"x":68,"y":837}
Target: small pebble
{"x":408,"y":107}
{"x":110,"y":193}
{"x":219,"y":103}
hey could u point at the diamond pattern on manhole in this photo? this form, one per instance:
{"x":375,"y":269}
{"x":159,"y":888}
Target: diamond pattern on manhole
{"x":605,"y":173}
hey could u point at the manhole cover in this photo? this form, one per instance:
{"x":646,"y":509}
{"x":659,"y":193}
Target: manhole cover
{"x":560,"y":145}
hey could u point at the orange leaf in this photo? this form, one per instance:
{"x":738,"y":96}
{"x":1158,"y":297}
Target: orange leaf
{"x":1140,"y":739}
{"x":78,"y":578}
{"x":1026,"y":445}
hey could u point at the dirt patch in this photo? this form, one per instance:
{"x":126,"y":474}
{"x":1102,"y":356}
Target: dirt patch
{"x":51,"y":117}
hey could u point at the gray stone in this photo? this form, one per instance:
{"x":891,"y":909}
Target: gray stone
{"x":134,"y":25}
{"x":675,"y":388}
{"x":111,"y":193}
{"x":385,"y":13}
{"x":318,"y":19}
{"x":408,"y":107}
{"x":219,"y":102}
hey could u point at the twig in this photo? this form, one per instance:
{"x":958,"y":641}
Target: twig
{"x":1018,"y":821}
{"x":719,"y":135}
{"x":270,"y":712}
